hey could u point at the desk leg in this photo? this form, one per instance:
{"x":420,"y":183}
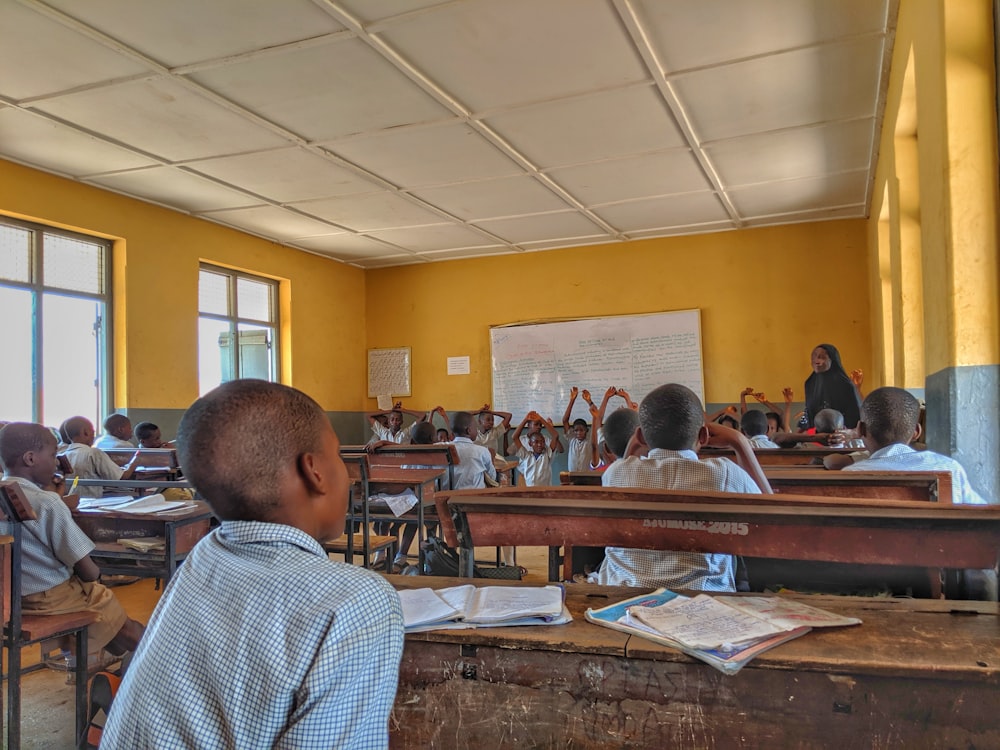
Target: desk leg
{"x":171,"y":534}
{"x":555,"y":562}
{"x":466,"y":562}
{"x":420,"y":529}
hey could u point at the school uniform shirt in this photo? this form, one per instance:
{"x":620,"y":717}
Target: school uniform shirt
{"x":492,"y":438}
{"x":259,"y":641}
{"x":680,"y":470}
{"x":762,"y":441}
{"x":578,"y":458}
{"x":899,"y":457}
{"x":384,"y":433}
{"x":536,"y":470}
{"x":91,"y":463}
{"x":50,"y":545}
{"x":474,"y":461}
{"x":110,"y":442}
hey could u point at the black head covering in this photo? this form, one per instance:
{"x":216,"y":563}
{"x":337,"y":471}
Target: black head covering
{"x":832,"y":389}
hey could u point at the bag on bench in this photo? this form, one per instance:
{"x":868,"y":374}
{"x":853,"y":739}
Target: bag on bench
{"x":442,"y":560}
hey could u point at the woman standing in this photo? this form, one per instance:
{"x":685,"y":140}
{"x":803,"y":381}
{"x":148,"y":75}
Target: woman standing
{"x":829,"y":387}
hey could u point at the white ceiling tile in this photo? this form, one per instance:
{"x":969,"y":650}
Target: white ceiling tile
{"x":427,"y":156}
{"x":833,"y":82}
{"x":173,"y":187}
{"x":800,"y":195}
{"x":565,"y":225}
{"x":664,"y":173}
{"x":436,"y":237}
{"x":345,"y":246}
{"x":272,"y":221}
{"x":71,"y":59}
{"x":364,"y":213}
{"x":180,"y":32}
{"x":37,"y":140}
{"x":285,"y":175}
{"x":468,"y":252}
{"x":368,"y":11}
{"x":327,"y":91}
{"x":613,"y":123}
{"x":163,"y":118}
{"x":791,"y":154}
{"x":493,"y":198}
{"x":658,"y":213}
{"x":709,"y":32}
{"x":560,"y":244}
{"x":491,"y":54}
{"x":385,"y":261}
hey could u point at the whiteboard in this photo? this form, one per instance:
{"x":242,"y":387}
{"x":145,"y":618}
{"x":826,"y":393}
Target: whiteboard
{"x":389,"y":372}
{"x":534,"y":366}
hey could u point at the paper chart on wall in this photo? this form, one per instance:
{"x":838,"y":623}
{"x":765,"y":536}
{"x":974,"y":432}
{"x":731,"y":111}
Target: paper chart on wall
{"x":534,"y":366}
{"x":389,"y":372}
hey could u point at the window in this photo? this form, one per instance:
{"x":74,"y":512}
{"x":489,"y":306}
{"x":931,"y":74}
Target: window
{"x":237,"y":327}
{"x":53,"y":301}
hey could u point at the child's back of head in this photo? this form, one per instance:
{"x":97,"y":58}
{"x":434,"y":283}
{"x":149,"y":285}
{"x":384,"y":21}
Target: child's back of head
{"x":890,"y":415}
{"x":828,"y":420}
{"x":423,"y":433}
{"x":77,"y":430}
{"x":754,"y":423}
{"x":618,"y":428}
{"x":237,"y":442}
{"x":671,"y":417}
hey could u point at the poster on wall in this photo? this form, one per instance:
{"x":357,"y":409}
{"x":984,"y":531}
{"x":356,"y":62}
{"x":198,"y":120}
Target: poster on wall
{"x":535,"y":365}
{"x":389,"y":372}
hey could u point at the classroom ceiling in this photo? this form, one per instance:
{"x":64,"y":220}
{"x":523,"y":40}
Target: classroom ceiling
{"x":390,"y":132}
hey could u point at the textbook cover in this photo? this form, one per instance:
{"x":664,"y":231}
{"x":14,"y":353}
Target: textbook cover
{"x":729,"y":660}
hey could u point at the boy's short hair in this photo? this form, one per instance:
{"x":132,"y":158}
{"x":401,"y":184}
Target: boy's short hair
{"x":236,"y":441}
{"x":423,"y":433}
{"x":890,"y":415}
{"x":671,"y":417}
{"x":144,"y":430}
{"x":578,"y":422}
{"x":769,"y":415}
{"x":754,"y":422}
{"x":828,"y":420}
{"x":114,"y":421}
{"x":618,"y":429}
{"x":462,"y":422}
{"x":72,"y":427}
{"x":17,"y":438}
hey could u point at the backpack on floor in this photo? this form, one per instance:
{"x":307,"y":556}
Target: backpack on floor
{"x":442,"y":560}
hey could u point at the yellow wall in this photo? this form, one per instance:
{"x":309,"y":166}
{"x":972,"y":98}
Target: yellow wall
{"x":938,"y":153}
{"x":767,"y":297}
{"x":156,"y":292}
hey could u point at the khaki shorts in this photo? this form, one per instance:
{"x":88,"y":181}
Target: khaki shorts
{"x":75,"y":595}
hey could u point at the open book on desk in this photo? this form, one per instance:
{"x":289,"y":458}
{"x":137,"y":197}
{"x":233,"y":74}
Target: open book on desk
{"x":723,"y":631}
{"x":128,"y":504}
{"x":482,"y":606}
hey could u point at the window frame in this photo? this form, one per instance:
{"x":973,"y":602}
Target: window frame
{"x":38,"y":289}
{"x":234,"y":319}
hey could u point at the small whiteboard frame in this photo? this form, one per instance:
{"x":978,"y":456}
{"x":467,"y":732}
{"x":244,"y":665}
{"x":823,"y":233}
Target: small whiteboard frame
{"x":389,"y":372}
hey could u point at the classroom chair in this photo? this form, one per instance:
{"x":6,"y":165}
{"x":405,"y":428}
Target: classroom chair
{"x":375,"y":544}
{"x":22,"y":630}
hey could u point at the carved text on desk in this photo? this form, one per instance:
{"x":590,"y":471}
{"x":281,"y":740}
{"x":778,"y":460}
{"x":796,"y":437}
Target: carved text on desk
{"x":711,"y":527}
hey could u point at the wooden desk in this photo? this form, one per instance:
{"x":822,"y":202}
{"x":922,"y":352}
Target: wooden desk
{"x":928,"y":486}
{"x":781,"y":456}
{"x":181,"y":531}
{"x":788,"y":527}
{"x":393,"y":480}
{"x":913,"y":674}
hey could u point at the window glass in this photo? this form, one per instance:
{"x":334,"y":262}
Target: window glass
{"x":213,"y":293}
{"x":253,"y":299}
{"x":16,"y":390}
{"x":71,"y":346}
{"x":15,"y":253}
{"x":73,"y":264}
{"x":214,"y":353}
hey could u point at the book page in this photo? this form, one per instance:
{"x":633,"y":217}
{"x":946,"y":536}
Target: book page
{"x":499,"y":603}
{"x":422,"y":606}
{"x":704,"y":623}
{"x":787,"y":613}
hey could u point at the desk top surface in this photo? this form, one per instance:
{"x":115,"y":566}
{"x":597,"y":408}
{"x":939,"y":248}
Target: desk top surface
{"x":397,"y":475}
{"x":919,"y":638}
{"x":198,"y":509}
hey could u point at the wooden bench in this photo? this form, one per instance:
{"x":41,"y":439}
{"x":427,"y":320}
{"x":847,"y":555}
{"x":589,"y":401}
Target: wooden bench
{"x":788,"y":527}
{"x":434,"y":456}
{"x":782,"y":456}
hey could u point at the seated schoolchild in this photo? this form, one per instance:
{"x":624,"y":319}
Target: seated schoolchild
{"x":89,"y":462}
{"x":754,"y":425}
{"x":117,"y":433}
{"x":536,"y":457}
{"x":662,"y":455}
{"x":148,"y":436}
{"x":261,"y":640}
{"x":490,"y":433}
{"x":57,"y":574}
{"x":394,"y":433}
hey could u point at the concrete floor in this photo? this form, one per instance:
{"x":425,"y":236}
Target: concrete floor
{"x":47,"y":701}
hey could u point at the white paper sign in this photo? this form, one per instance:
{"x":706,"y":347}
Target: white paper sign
{"x":458,"y":366}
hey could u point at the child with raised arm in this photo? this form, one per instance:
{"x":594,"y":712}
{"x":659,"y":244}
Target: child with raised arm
{"x":394,"y":433}
{"x":579,"y":449}
{"x":442,"y":434}
{"x":57,"y":574}
{"x":601,"y":454}
{"x":489,"y":433}
{"x":312,"y":646}
{"x":753,"y":424}
{"x":662,"y":455}
{"x":536,"y":458}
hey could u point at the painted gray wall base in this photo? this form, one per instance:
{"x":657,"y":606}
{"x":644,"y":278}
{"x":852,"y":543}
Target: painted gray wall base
{"x":963,"y":421}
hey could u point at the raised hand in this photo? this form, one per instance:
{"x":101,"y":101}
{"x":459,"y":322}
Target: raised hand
{"x":788,"y":394}
{"x":857,"y":377}
{"x":760,"y":396}
{"x":747,"y":391}
{"x":574,"y":392}
{"x":586,"y":395}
